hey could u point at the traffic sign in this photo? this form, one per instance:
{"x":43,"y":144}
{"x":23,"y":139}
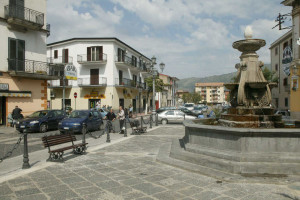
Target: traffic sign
{"x":75,"y":95}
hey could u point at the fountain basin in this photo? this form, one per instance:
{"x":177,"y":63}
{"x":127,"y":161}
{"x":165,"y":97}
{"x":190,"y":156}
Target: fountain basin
{"x":242,"y":151}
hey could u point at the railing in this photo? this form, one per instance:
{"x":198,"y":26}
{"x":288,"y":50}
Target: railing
{"x":142,"y":66}
{"x":89,"y":58}
{"x":26,"y":14}
{"x":59,"y":83}
{"x":31,"y":66}
{"x":92,"y":81}
{"x":60,"y":60}
{"x":125,"y":59}
{"x":125,"y":82}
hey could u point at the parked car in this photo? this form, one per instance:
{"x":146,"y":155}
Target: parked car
{"x":164,"y":109}
{"x":285,"y":114}
{"x":189,"y":106}
{"x":41,"y":121}
{"x":81,"y":121}
{"x":197,"y":110}
{"x":173,"y":116}
{"x":189,"y":112}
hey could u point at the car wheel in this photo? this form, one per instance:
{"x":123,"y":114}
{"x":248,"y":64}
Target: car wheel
{"x":43,"y":128}
{"x":164,"y":121}
{"x":84,"y":130}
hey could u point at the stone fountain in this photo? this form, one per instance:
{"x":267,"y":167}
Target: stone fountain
{"x":250,"y":96}
{"x":246,"y":141}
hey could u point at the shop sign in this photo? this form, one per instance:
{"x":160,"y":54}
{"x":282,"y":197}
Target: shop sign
{"x":4,"y":86}
{"x":70,"y":72}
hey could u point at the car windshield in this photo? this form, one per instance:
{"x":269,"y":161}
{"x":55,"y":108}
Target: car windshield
{"x":39,"y":114}
{"x":78,"y":114}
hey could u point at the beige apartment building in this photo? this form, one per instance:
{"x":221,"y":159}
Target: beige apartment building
{"x":281,"y":58}
{"x":212,"y":93}
{"x":168,"y":96}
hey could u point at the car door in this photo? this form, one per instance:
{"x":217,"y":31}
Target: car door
{"x":51,"y":120}
{"x":179,"y":116}
{"x":60,"y":115}
{"x":170,"y":115}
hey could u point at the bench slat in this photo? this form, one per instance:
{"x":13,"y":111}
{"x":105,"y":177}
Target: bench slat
{"x":58,"y":139}
{"x":69,"y":147}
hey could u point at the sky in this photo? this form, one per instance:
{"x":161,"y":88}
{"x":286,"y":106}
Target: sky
{"x":192,"y":37}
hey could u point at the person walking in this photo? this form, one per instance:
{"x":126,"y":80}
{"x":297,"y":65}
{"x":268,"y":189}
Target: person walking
{"x":130,"y":111}
{"x":110,"y":116}
{"x":16,"y":113}
{"x":121,"y":116}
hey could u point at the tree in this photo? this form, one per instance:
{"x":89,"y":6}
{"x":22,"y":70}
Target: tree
{"x":269,"y":75}
{"x":159,"y":84}
{"x":191,"y":97}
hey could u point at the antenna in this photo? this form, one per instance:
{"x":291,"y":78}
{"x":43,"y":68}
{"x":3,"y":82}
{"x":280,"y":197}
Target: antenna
{"x":280,"y":19}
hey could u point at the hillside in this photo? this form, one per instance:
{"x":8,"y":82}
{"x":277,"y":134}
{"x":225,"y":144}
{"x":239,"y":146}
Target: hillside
{"x":189,"y":83}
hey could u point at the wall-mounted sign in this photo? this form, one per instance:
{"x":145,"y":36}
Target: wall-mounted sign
{"x":70,"y":72}
{"x":287,"y":59}
{"x":294,"y":84}
{"x":4,"y":86}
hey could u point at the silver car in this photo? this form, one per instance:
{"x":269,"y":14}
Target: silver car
{"x":173,"y":116}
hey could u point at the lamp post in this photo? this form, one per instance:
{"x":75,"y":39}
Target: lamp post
{"x":151,"y":68}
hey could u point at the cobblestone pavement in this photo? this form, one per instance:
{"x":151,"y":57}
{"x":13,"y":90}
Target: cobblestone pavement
{"x":128,"y":170}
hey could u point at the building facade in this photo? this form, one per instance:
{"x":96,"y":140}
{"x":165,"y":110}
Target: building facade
{"x":167,"y":97}
{"x":280,"y":63}
{"x":23,"y":65}
{"x":109,"y":72}
{"x":295,"y":64}
{"x":211,"y":93}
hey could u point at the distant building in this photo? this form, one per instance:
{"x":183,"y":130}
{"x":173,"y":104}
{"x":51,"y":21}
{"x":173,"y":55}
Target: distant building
{"x":280,"y":63}
{"x":23,"y":63}
{"x":180,"y":93}
{"x":212,"y":93}
{"x":168,"y":96}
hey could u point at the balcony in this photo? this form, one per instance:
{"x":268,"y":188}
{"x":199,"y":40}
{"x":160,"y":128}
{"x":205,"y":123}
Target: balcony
{"x":142,"y":85}
{"x":62,"y":60}
{"x":59,"y":83}
{"x":88,"y":59}
{"x":125,"y":62}
{"x":92,"y":82}
{"x":23,"y":18}
{"x":126,"y":82}
{"x":33,"y":69}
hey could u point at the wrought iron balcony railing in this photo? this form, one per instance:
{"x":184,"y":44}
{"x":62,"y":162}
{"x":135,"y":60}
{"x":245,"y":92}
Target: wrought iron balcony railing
{"x":32,"y":67}
{"x":125,"y":82}
{"x":101,"y":81}
{"x":24,"y":14}
{"x":84,"y":58}
{"x":60,"y":60}
{"x":59,"y":83}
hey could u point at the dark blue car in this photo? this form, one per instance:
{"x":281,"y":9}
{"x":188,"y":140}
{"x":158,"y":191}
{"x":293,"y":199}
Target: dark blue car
{"x":41,"y":121}
{"x":81,"y":121}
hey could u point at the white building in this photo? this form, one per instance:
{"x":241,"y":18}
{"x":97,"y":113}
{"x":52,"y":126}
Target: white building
{"x":167,"y":97}
{"x":109,"y":72}
{"x":281,"y":94}
{"x":23,"y":68}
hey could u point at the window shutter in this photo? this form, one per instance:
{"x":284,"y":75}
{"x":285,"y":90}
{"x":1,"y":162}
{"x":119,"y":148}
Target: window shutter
{"x":88,"y":53}
{"x":101,"y":53}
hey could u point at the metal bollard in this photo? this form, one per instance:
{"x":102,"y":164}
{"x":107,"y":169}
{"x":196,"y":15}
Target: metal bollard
{"x":108,"y":131}
{"x":125,"y":131}
{"x":150,"y":121}
{"x":83,"y":138}
{"x":141,"y":122}
{"x":26,"y":164}
{"x":156,"y":119}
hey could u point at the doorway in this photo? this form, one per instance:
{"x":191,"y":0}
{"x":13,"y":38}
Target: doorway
{"x":120,"y":77}
{"x":94,"y":76}
{"x":93,"y":103}
{"x":121,"y":103}
{"x":144,"y":104}
{"x":134,"y":105}
{"x":2,"y":110}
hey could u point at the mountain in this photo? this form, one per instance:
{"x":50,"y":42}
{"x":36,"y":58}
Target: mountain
{"x":189,"y":83}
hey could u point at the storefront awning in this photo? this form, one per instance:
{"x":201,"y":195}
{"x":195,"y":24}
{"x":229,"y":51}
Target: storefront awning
{"x":101,"y":96}
{"x":15,"y":94}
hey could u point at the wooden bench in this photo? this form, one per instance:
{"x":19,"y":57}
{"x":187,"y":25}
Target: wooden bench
{"x":57,"y":154}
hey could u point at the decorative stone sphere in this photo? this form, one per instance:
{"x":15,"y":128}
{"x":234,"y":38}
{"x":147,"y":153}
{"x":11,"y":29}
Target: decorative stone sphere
{"x":248,"y":32}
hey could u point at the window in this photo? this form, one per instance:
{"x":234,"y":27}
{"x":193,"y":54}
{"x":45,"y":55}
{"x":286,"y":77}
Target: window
{"x":134,"y":61}
{"x":291,"y":43}
{"x":134,"y":77}
{"x":95,"y":53}
{"x":55,"y":53}
{"x":286,"y":102}
{"x":65,"y":55}
{"x":121,"y":55}
{"x":171,"y":112}
{"x":285,"y":45}
{"x":16,"y":54}
{"x":285,"y":81}
{"x":276,"y":50}
{"x":276,"y":67}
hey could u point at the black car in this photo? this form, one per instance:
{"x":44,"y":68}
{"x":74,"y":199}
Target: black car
{"x":41,"y":121}
{"x":189,"y":112}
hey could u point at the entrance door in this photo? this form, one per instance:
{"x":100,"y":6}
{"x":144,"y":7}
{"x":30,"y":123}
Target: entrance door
{"x":93,"y":103}
{"x":144,"y":104}
{"x":134,"y":105}
{"x":120,"y":77}
{"x":121,"y":103}
{"x":2,"y":110}
{"x":94,"y":77}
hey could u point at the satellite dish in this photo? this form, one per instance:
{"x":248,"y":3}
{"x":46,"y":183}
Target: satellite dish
{"x":298,"y":41}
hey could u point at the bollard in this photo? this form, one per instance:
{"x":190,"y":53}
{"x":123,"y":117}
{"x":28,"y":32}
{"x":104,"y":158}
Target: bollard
{"x":150,"y":121}
{"x":108,"y":131}
{"x":156,"y":119}
{"x":83,"y":138}
{"x":141,"y":122}
{"x":125,"y":131}
{"x":26,"y":164}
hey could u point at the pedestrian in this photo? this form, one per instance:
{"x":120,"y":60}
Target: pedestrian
{"x":10,"y":120}
{"x":98,"y":105}
{"x":16,"y":113}
{"x":126,"y":113}
{"x":121,"y":116}
{"x":110,"y":116}
{"x":130,"y":111}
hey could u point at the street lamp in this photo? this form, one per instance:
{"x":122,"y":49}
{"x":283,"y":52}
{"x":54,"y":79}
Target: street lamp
{"x":151,"y":68}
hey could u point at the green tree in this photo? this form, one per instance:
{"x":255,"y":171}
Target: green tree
{"x":269,"y":75}
{"x":159,"y":84}
{"x":191,"y":97}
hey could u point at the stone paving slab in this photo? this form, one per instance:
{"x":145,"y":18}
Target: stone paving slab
{"x":129,"y":170}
